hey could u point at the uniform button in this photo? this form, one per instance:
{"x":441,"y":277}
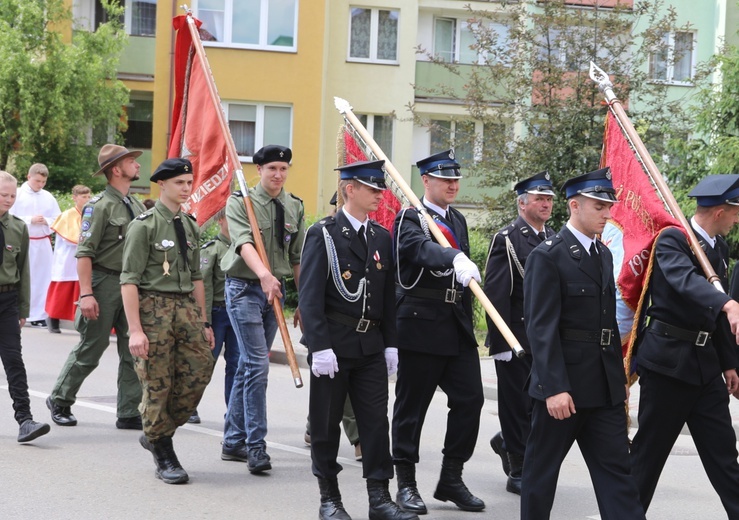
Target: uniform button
{"x":582,"y":290}
{"x":368,"y":282}
{"x":604,"y":349}
{"x":366,"y":270}
{"x":604,"y":311}
{"x":368,"y":307}
{"x":415,"y":314}
{"x":368,"y":295}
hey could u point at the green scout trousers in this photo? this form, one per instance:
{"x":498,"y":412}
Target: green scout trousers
{"x":94,"y":339}
{"x":180,"y":363}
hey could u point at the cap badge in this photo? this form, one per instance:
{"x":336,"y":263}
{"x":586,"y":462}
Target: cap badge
{"x":547,"y":176}
{"x":608,"y":175}
{"x":282,"y":154}
{"x":451,"y":154}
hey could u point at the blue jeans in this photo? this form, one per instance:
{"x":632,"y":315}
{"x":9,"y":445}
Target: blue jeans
{"x":254,"y":323}
{"x":225,"y":338}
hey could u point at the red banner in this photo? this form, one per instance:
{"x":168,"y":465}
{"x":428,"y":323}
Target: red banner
{"x":639,"y":214}
{"x":196,"y":134}
{"x":389,"y":207}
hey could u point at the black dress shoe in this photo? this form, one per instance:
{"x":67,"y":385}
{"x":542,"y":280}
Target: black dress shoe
{"x":129,"y":423}
{"x":61,"y":415}
{"x":497,"y":444}
{"x":30,"y":430}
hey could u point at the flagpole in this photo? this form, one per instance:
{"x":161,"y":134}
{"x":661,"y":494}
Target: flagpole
{"x":234,"y":157}
{"x":345,"y":109}
{"x":617,"y":109}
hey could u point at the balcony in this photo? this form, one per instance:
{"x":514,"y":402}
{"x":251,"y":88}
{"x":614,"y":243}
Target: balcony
{"x":434,"y":83}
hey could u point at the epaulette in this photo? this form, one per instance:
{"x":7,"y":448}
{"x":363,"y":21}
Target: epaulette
{"x":506,"y":230}
{"x":236,"y":193}
{"x":296,"y":197}
{"x":146,"y":214}
{"x":325,"y":221}
{"x":95,"y":199}
{"x":191,"y":216}
{"x":208,"y":244}
{"x":551,"y":241}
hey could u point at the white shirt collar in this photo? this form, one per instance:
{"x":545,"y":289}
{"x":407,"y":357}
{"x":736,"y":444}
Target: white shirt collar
{"x":356,"y":224}
{"x":585,"y":240}
{"x":702,"y":232}
{"x":433,"y":206}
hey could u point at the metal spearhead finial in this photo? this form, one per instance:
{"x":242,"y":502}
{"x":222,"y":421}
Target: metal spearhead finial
{"x":342,"y":105}
{"x":600,"y":77}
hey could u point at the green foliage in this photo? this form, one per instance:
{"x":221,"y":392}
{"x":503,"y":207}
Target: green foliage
{"x":536,"y":81}
{"x":52,"y":92}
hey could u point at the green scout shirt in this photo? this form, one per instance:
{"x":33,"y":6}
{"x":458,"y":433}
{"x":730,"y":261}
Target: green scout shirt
{"x":151,"y":239}
{"x":103,"y":228}
{"x":14,"y":267}
{"x":214,"y":278}
{"x":280,"y":260}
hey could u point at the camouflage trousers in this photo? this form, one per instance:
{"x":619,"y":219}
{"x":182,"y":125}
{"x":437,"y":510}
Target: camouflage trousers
{"x":180,"y":363}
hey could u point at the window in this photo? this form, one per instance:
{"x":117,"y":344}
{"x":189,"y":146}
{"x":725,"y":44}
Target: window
{"x":460,"y":135}
{"x":255,"y":125}
{"x":139,"y":18}
{"x":673,"y":62}
{"x":381,"y":130}
{"x":456,"y":41}
{"x":373,"y":35}
{"x":252,"y":24}
{"x":139,"y":132}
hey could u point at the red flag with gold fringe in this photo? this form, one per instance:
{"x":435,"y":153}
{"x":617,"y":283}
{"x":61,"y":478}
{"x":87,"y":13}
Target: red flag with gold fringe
{"x":196,"y":134}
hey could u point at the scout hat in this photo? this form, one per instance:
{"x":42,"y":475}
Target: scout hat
{"x":595,"y":185}
{"x":715,"y":190}
{"x":441,"y":165}
{"x":539,"y":184}
{"x":369,"y":173}
{"x":272,"y":153}
{"x":111,"y":154}
{"x":171,"y":168}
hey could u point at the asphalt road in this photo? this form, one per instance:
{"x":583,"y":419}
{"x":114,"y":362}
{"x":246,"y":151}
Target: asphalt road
{"x":94,"y":471}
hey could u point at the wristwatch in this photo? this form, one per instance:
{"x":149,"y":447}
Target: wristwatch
{"x":206,"y":324}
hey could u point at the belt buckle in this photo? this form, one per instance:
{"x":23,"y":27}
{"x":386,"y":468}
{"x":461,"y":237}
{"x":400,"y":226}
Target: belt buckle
{"x":702,"y":338}
{"x":450,"y":296}
{"x":363,"y":325}
{"x":605,"y":337}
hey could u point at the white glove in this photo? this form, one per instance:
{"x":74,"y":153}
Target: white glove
{"x":465,"y":269}
{"x":503,"y":356}
{"x":324,"y":363}
{"x":391,"y":359}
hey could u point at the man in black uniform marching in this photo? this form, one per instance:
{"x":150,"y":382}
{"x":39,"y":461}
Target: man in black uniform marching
{"x":509,"y":249}
{"x":436,"y":338}
{"x":347,"y":306}
{"x":687,"y":348}
{"x":577,"y":377}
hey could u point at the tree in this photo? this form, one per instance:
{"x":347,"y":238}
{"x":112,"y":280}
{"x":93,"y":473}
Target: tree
{"x":535,"y":79}
{"x":59,"y":101}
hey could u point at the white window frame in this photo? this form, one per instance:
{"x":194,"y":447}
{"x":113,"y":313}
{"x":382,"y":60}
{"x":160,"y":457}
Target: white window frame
{"x":259,"y":123}
{"x":670,"y":67}
{"x":263,"y":29}
{"x":459,"y":26}
{"x":374,"y":31}
{"x":370,"y":126}
{"x":478,"y":131}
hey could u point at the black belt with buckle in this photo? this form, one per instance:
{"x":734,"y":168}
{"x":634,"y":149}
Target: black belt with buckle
{"x":445,"y":295}
{"x":699,"y":338}
{"x":7,"y":288}
{"x":105,"y":270}
{"x":358,"y":324}
{"x":602,"y":336}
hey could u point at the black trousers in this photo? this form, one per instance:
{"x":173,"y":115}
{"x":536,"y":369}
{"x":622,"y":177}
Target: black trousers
{"x":601,"y":435}
{"x":10,"y":354}
{"x":514,"y":403}
{"x":460,"y":379}
{"x":665,"y":406}
{"x":365,"y":380}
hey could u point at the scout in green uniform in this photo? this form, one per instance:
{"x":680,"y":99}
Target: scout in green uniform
{"x":164,"y":298}
{"x":250,"y":290}
{"x":15,"y":297}
{"x":100,"y":308}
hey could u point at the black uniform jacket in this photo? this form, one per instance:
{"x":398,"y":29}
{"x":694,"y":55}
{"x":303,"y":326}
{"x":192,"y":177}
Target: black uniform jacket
{"x":429,"y":325}
{"x":564,"y":292}
{"x":504,"y":283}
{"x":681,"y":296}
{"x":318,"y":295}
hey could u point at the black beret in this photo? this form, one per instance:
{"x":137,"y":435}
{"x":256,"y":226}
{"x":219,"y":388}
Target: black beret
{"x":171,"y":168}
{"x":272,"y":153}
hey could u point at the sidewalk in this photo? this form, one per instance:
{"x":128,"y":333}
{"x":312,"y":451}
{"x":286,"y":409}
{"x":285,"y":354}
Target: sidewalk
{"x":489,"y":378}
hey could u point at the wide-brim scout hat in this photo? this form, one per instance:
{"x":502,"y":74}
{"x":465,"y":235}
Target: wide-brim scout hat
{"x":441,"y":165}
{"x":715,"y":190}
{"x":111,"y":154}
{"x":539,"y":184}
{"x":369,"y":173}
{"x":595,"y":185}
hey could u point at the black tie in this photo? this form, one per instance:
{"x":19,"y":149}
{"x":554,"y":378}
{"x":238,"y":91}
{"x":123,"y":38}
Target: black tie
{"x":127,"y":202}
{"x":2,"y":243}
{"x":542,"y":235}
{"x":594,"y":256}
{"x":179,"y":230}
{"x":362,"y":238}
{"x":279,"y":223}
